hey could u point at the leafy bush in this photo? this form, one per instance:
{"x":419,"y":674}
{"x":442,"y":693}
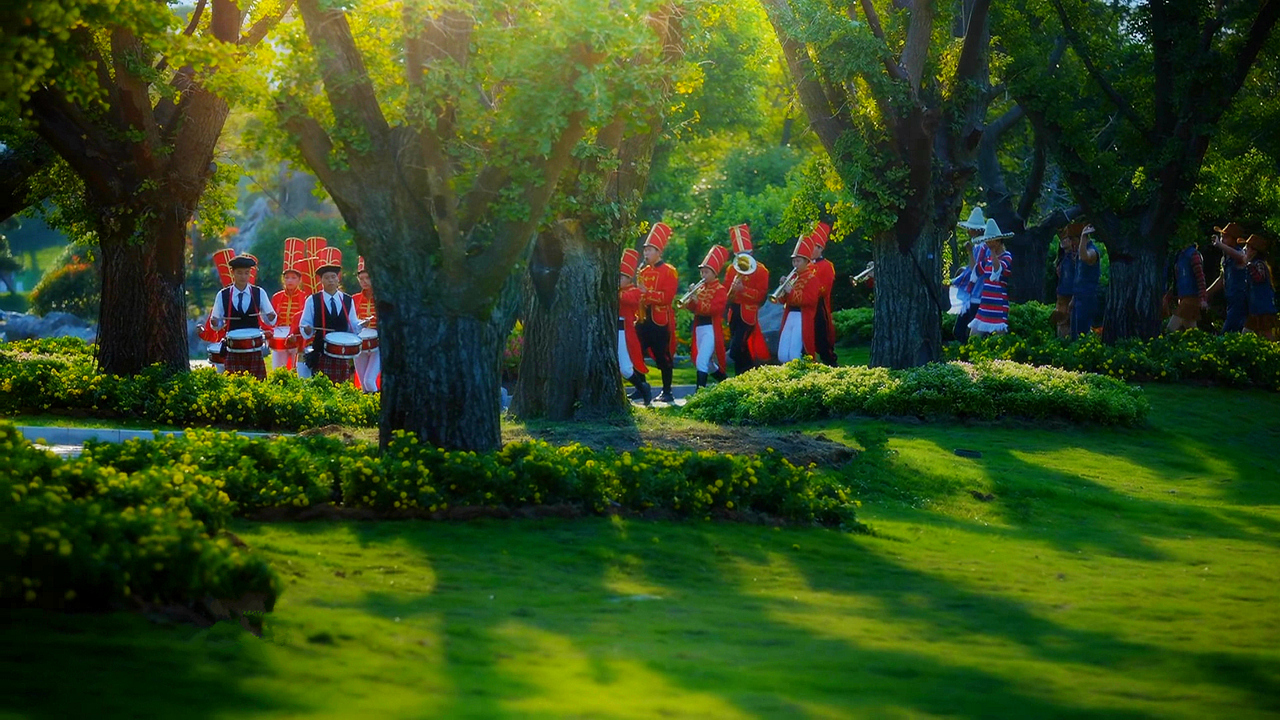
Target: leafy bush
{"x":855,"y":325}
{"x":69,"y":381}
{"x":72,"y":287}
{"x":801,"y":391}
{"x":1233,"y":359}
{"x":76,"y":534}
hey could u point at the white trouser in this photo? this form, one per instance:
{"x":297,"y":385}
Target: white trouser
{"x":706,"y":335}
{"x":624,"y":356}
{"x":280,"y":358}
{"x":791,"y":343}
{"x":218,"y":368}
{"x":304,"y":370}
{"x":368,"y":366}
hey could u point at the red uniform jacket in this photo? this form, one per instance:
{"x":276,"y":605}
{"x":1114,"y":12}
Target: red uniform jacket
{"x":805,"y":293}
{"x":826,"y":273}
{"x":288,"y":306}
{"x":662,"y":284}
{"x":365,"y":309}
{"x":628,"y":307}
{"x":710,"y":301}
{"x":754,"y":292}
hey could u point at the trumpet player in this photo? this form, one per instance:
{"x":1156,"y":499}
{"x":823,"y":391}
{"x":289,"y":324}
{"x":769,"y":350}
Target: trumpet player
{"x":824,"y":330}
{"x":659,"y":284}
{"x":630,"y":360}
{"x":748,"y":282}
{"x":801,"y":292}
{"x":707,"y":301}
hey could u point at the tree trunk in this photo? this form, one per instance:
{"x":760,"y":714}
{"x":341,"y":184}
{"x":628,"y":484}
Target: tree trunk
{"x":1133,"y":295}
{"x":143,"y":316}
{"x":908,"y":317}
{"x":569,"y":370}
{"x":1030,"y":250}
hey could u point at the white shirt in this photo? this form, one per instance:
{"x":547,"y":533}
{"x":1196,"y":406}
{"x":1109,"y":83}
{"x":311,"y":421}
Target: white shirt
{"x":308,"y":321}
{"x":241,"y":299}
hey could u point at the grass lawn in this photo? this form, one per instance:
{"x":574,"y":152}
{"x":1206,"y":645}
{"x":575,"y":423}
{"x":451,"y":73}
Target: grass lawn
{"x":1068,"y":572}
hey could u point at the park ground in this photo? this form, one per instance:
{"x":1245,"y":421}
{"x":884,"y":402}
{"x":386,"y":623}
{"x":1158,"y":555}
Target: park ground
{"x":1067,"y":572}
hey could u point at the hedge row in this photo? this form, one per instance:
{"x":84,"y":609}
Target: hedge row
{"x":77,"y":534}
{"x":801,"y":391}
{"x":38,"y":377}
{"x":1234,"y":359}
{"x":856,"y":325}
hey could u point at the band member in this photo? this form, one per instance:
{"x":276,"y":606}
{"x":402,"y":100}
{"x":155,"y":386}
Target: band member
{"x":1188,"y":285}
{"x":801,"y":292}
{"x":1068,"y":240}
{"x":288,"y":306}
{"x":243,"y":306}
{"x":824,"y":333}
{"x":630,"y":359}
{"x":995,"y":265}
{"x":1262,"y":292}
{"x":329,"y":310}
{"x":1233,"y":280}
{"x":747,"y":292}
{"x":659,"y":284}
{"x":968,"y":283}
{"x":707,"y":305}
{"x":1084,"y":302}
{"x":368,"y":362}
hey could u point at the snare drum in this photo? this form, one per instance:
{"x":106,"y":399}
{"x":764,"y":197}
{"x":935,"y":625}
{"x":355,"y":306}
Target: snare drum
{"x":341,"y":345}
{"x":216,"y":354}
{"x":245,"y":340}
{"x":283,"y":339}
{"x":368,"y":340}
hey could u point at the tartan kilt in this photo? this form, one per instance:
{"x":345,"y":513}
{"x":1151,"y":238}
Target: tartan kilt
{"x":246,"y":362}
{"x":338,"y":370}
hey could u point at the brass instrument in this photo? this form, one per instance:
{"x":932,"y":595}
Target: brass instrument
{"x":693,"y":291}
{"x":745,"y":264}
{"x":784,"y":288}
{"x":865,"y":275}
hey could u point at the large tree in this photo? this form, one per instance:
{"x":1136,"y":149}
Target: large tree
{"x":1131,"y":115}
{"x":896,"y":93}
{"x":132,"y":98}
{"x":441,"y":135}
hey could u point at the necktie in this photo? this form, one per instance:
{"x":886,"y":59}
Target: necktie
{"x":240,"y":301}
{"x":333,"y":306}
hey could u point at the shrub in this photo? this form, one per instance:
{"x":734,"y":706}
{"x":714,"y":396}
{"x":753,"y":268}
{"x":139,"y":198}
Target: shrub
{"x":1233,"y":359}
{"x":76,"y":534}
{"x":854,"y":325}
{"x":71,"y":288}
{"x":801,"y":391}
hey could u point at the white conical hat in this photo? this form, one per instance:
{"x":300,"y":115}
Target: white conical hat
{"x":976,"y":220}
{"x":992,"y":232}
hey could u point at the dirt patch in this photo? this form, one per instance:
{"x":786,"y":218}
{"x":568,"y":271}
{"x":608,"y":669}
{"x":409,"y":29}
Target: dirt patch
{"x":799,"y":448}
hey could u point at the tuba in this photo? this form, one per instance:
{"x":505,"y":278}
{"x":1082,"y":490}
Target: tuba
{"x":693,"y":291}
{"x":784,"y":288}
{"x":745,"y":264}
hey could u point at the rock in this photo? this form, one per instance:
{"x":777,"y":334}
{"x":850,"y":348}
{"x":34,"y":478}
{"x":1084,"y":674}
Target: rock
{"x":19,"y":326}
{"x":86,"y":334}
{"x":55,"y":320}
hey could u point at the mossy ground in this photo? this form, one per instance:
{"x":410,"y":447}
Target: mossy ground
{"x":1068,"y":572}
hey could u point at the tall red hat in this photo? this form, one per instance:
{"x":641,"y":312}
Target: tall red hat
{"x":740,"y":238}
{"x":804,"y":247}
{"x":658,"y":236}
{"x":359,"y":264}
{"x":717,"y":256}
{"x":294,"y":268}
{"x":821,"y":234}
{"x":630,"y":261}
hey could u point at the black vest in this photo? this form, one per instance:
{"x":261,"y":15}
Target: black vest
{"x":241,"y":320}
{"x":327,"y":322}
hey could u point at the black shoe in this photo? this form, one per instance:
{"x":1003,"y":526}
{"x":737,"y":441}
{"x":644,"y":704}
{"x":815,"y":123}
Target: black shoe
{"x":666,"y":397}
{"x":702,"y":380}
{"x":719,"y":376}
{"x":646,"y":393}
{"x":636,"y":395}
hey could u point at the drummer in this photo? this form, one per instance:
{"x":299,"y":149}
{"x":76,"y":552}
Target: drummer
{"x":369,"y":361}
{"x":289,"y":302}
{"x":328,"y":311}
{"x":242,"y":306}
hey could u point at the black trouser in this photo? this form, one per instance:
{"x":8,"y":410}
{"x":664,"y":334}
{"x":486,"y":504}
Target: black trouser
{"x":822,"y":340}
{"x":740,"y":332}
{"x":961,"y":330}
{"x":655,"y":339}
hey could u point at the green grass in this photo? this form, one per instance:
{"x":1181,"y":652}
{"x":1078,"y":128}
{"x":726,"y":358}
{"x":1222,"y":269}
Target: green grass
{"x":45,"y":257}
{"x":1109,"y":573}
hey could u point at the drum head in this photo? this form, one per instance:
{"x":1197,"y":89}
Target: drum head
{"x":244,"y":334}
{"x":215,"y":348}
{"x":342,"y":338}
{"x":367,"y":333}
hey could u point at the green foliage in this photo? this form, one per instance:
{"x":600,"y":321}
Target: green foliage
{"x":199,"y":398}
{"x":855,"y":325}
{"x":269,"y":246}
{"x":8,"y":263}
{"x":73,"y":286}
{"x":1236,"y":359}
{"x":76,"y":534}
{"x":802,"y":391}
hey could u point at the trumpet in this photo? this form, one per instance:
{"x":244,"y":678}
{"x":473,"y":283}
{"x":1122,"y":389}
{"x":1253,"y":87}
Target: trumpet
{"x":745,"y":264}
{"x":865,"y":275}
{"x":784,"y":288}
{"x":693,"y":291}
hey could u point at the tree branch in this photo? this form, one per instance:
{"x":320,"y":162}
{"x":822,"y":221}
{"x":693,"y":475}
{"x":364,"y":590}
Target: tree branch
{"x":127,"y":54}
{"x":970,"y":65}
{"x":1259,"y":31}
{"x":1077,"y":44}
{"x":826,"y":122}
{"x":259,"y":29}
{"x":190,"y":30}
{"x":873,"y":22}
{"x":1002,"y":124}
{"x":316,"y":148}
{"x":346,"y":81}
{"x":78,"y":141}
{"x":18,"y":164}
{"x":1035,"y":179}
{"x":916,"y":50}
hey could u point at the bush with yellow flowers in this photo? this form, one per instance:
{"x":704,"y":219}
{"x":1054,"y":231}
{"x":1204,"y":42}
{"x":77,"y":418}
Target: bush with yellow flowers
{"x":1234,"y":359}
{"x":79,"y":535}
{"x":802,"y":391}
{"x":58,"y":376}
